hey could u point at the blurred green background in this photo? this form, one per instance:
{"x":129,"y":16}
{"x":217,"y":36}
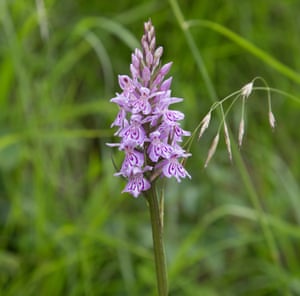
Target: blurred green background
{"x":65,"y":229}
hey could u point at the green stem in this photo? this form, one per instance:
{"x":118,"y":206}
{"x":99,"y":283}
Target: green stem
{"x":255,"y":200}
{"x":158,"y":244}
{"x":241,"y":165}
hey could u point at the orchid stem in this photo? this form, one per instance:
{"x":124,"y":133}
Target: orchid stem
{"x":158,"y":244}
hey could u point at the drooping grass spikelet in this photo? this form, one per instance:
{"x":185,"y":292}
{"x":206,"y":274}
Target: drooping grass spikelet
{"x":204,"y":124}
{"x":212,"y":149}
{"x":242,"y":122}
{"x":241,"y":131}
{"x":272,"y":120}
{"x":243,"y":94}
{"x":247,"y":89}
{"x":227,"y":140}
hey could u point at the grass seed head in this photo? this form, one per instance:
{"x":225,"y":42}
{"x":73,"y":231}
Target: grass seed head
{"x":204,"y":124}
{"x":241,"y":131}
{"x":212,"y":149}
{"x":227,"y":141}
{"x":247,"y":89}
{"x":272,"y":120}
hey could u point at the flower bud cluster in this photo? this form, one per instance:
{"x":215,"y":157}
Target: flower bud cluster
{"x":150,"y":132}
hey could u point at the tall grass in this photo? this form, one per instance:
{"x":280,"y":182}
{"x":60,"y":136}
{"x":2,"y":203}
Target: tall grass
{"x":65,"y":229}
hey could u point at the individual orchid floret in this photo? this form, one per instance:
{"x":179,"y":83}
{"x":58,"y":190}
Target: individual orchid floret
{"x":141,"y":102}
{"x":133,"y":159}
{"x":158,"y":149}
{"x":126,"y":84}
{"x":171,"y":167}
{"x":150,"y":133}
{"x":134,"y":133}
{"x":137,"y":183}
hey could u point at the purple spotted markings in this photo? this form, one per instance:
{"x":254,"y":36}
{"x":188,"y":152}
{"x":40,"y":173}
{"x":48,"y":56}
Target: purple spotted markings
{"x":150,"y":133}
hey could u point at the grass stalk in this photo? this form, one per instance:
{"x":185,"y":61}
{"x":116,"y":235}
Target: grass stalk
{"x":270,"y":241}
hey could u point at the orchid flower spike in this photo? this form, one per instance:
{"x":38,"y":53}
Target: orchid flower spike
{"x":150,"y":133}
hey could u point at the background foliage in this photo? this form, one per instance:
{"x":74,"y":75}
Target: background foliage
{"x":65,"y":229}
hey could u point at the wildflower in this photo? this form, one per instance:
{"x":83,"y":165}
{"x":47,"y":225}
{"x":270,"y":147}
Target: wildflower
{"x":133,"y":159}
{"x":150,"y":132}
{"x":157,"y":148}
{"x":137,"y":182}
{"x":134,"y":133}
{"x":172,"y":167}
